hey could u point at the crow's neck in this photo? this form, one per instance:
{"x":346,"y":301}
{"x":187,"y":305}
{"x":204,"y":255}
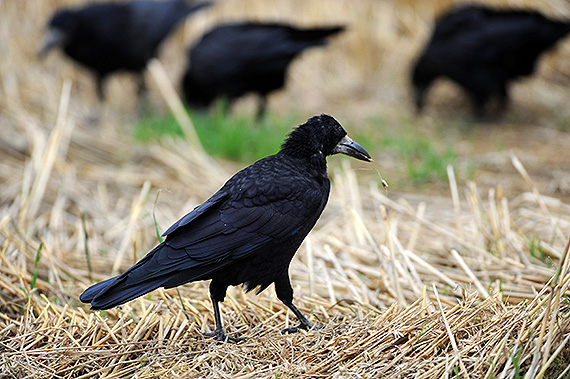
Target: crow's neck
{"x":298,"y":144}
{"x":311,"y":162}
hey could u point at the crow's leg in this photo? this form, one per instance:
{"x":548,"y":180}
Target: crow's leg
{"x":218,"y":333}
{"x":222,"y":106}
{"x":504,"y":99}
{"x":479,"y":110}
{"x":99,"y":82}
{"x":95,"y":113}
{"x":303,"y":322}
{"x":143,"y":101}
{"x":141,"y":85}
{"x":216,"y":291}
{"x":420,"y":98}
{"x":285,"y":294}
{"x":261,"y":109}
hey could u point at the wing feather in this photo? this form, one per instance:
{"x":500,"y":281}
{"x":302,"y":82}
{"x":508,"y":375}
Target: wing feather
{"x":240,"y":219}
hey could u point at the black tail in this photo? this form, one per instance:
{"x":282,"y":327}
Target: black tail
{"x":556,"y":30}
{"x":193,"y":6}
{"x":316,"y":34}
{"x":164,"y":266}
{"x":113,"y":292}
{"x":548,"y":35}
{"x":129,"y":285}
{"x":156,"y":20}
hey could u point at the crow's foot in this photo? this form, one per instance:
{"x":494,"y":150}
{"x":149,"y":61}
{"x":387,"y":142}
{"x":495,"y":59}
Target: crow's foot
{"x":295,"y":329}
{"x":219,"y":335}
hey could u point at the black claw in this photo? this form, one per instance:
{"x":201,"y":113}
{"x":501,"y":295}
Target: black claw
{"x":219,"y":335}
{"x":295,"y":329}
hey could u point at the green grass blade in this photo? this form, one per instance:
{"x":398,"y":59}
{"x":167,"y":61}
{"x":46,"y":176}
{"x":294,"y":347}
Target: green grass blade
{"x":36,"y":264}
{"x":160,"y":239}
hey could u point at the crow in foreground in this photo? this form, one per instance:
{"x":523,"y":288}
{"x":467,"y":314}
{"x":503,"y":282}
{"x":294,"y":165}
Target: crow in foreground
{"x":234,"y":59}
{"x":247,"y":232}
{"x":483,"y":50}
{"x":108,"y":37}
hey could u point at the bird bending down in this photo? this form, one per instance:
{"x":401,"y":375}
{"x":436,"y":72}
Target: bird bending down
{"x":247,"y":232}
{"x":108,"y":37}
{"x":483,"y":50}
{"x":232,"y":60}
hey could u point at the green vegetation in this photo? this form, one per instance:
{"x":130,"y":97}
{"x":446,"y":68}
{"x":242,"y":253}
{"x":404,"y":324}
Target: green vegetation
{"x":517,"y":364}
{"x":537,"y":251}
{"x":156,"y":227}
{"x":36,"y":263}
{"x":242,"y":138}
{"x":424,"y":158}
{"x":425,"y":162}
{"x":237,"y":137}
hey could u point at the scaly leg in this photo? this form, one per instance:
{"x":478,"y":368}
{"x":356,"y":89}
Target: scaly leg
{"x":285,"y":294}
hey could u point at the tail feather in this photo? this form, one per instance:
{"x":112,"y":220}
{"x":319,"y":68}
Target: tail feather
{"x":146,"y":275}
{"x":561,"y":29}
{"x":317,"y":34}
{"x":164,"y":266}
{"x":118,"y":293}
{"x":88,"y":295}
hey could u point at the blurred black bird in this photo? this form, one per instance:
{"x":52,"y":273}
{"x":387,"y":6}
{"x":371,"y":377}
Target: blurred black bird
{"x":108,"y":37}
{"x":483,"y":50}
{"x":247,"y":232}
{"x":235,"y":59}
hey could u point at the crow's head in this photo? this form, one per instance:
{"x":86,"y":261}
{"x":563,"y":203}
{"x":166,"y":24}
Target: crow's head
{"x":60,"y":28}
{"x":422,"y":78}
{"x":323,"y":135}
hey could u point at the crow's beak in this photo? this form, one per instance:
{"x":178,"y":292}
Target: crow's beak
{"x":52,"y":39}
{"x":351,"y":148}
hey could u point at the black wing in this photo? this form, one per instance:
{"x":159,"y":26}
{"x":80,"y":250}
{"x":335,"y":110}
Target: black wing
{"x":254,"y":209}
{"x":258,"y":207}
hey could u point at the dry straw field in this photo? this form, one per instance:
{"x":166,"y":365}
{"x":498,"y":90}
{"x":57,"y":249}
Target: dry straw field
{"x":469,"y":282}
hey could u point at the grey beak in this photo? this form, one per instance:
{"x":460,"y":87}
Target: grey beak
{"x":352,"y":148}
{"x":53,"y":38}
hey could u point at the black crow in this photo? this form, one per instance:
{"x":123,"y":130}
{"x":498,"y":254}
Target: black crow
{"x":483,"y":50}
{"x":247,"y":232}
{"x":234,"y":59}
{"x":108,"y":37}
